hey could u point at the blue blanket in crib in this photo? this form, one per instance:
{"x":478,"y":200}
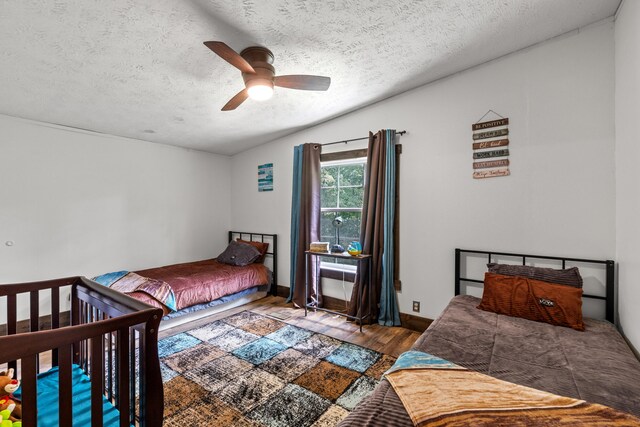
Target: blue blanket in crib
{"x":47,"y":384}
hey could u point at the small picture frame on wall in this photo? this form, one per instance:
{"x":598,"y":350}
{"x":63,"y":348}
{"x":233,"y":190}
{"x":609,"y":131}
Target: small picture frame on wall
{"x":265,"y":177}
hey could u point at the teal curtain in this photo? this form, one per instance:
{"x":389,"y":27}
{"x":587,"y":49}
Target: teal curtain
{"x":295,"y":215}
{"x":389,"y":314}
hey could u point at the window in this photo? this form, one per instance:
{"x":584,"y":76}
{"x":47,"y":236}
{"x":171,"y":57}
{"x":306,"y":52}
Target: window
{"x":342,"y":191}
{"x":342,"y":182}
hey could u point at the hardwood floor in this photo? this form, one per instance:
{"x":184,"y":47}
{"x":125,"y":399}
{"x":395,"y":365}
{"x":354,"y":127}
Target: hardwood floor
{"x":388,"y":340}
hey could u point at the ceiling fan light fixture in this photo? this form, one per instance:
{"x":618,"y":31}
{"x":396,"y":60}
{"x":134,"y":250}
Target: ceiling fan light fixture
{"x":259,"y":75}
{"x":260,"y":92}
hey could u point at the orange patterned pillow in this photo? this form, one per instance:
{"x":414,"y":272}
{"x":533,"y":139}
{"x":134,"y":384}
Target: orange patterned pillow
{"x":261,"y":246}
{"x":532,"y":299}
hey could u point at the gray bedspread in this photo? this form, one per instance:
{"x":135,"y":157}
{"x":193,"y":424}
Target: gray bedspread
{"x":595,"y":365}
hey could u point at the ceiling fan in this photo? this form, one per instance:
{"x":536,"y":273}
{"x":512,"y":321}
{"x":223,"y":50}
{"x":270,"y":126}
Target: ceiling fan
{"x":259,"y":75}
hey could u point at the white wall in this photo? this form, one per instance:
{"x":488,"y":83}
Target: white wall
{"x":627,"y":107}
{"x":81,"y":203}
{"x":559,"y":200}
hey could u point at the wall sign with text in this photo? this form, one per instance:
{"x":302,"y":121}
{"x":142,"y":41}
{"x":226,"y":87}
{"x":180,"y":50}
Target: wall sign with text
{"x":490,"y":148}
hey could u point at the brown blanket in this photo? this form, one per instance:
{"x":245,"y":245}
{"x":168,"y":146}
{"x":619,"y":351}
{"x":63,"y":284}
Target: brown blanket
{"x":595,"y":365}
{"x":203,"y":281}
{"x":435,"y":392}
{"x":134,"y":284}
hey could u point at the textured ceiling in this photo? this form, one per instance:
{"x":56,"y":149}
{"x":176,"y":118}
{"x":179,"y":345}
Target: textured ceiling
{"x":138,"y":68}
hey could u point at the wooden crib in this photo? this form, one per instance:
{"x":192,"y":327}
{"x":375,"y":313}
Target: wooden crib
{"x":111,"y":337}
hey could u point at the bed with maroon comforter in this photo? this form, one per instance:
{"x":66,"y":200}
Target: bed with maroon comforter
{"x":191,"y":286}
{"x":203,"y":281}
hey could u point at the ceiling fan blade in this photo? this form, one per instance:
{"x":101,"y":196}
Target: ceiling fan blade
{"x":303,"y":82}
{"x":231,"y":56}
{"x":235,"y":102}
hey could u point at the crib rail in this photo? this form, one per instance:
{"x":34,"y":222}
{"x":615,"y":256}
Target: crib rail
{"x":111,"y":337}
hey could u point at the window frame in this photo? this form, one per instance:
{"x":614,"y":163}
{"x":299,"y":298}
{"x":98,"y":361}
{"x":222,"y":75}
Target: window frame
{"x":334,"y":270}
{"x":342,"y":274}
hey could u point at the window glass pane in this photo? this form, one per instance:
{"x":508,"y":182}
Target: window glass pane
{"x":329,"y":198}
{"x":351,"y":197}
{"x":342,"y":187}
{"x":327,"y":231}
{"x":349,"y":231}
{"x":329,"y":176}
{"x":352,"y":174}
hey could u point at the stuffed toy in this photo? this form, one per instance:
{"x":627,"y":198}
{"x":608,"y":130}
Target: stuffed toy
{"x":7,"y":387}
{"x":5,"y":417}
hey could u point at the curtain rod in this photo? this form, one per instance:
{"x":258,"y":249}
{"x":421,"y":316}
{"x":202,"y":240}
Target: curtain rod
{"x":402,"y":132}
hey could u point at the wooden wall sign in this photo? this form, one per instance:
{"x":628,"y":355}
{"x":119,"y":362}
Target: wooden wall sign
{"x":494,"y":153}
{"x":488,"y":136}
{"x":491,"y":164}
{"x":491,"y":124}
{"x":491,"y":173}
{"x":490,"y":144}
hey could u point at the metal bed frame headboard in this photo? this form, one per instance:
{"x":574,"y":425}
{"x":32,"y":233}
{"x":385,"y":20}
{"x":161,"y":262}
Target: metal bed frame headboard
{"x":273,"y":251}
{"x":609,"y":297}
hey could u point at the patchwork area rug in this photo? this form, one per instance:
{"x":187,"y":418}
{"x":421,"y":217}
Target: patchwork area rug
{"x":256,"y":371}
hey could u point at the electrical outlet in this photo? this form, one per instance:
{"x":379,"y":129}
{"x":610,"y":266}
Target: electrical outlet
{"x":416,"y":306}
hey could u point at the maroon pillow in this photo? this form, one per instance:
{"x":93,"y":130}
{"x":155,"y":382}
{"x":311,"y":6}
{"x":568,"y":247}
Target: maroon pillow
{"x":260,"y":246}
{"x":533,"y":299}
{"x":238,"y":254}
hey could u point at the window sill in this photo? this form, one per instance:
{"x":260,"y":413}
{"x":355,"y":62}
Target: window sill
{"x":337,"y":274}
